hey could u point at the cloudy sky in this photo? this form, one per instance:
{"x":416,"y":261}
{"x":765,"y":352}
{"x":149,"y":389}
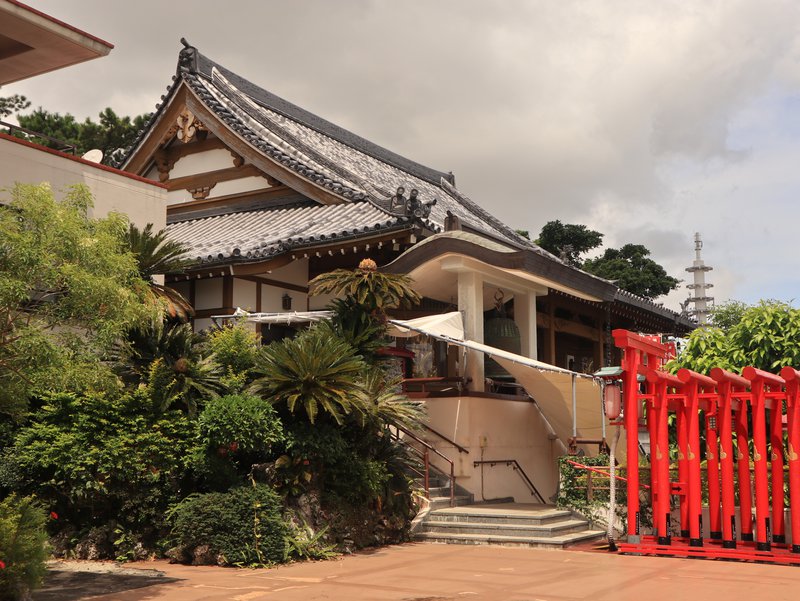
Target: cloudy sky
{"x":645,"y":120}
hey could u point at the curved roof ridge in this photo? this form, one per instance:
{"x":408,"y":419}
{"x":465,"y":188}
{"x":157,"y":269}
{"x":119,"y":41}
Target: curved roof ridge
{"x":274,"y":102}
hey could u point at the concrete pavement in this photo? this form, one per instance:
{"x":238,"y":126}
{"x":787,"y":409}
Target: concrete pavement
{"x":428,"y":572}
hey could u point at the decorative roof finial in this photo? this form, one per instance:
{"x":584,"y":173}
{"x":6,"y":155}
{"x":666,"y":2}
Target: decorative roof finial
{"x":187,"y":59}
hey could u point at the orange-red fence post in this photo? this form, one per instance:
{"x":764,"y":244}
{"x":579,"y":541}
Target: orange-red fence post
{"x":711,"y":411}
{"x":792,"y":377}
{"x":759,"y":381}
{"x":635,"y":348}
{"x":660,"y":452}
{"x":726,"y":381}
{"x":692,"y":384}
{"x":775,"y":403}
{"x":743,"y":467}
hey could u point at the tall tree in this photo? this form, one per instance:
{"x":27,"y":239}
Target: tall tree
{"x":12,"y":104}
{"x":111,"y":133}
{"x":632,"y":269}
{"x":568,"y":240}
{"x":68,"y":289}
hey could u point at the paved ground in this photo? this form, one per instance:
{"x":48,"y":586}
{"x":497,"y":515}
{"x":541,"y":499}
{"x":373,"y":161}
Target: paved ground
{"x":425,"y":572}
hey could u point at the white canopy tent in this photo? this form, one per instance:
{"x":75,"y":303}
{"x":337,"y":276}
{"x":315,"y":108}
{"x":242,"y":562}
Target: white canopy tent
{"x":571,"y":402}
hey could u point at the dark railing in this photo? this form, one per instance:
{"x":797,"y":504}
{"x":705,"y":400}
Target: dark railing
{"x":425,"y":455}
{"x":517,"y":468}
{"x":426,"y":386}
{"x":29,"y":133}
{"x":447,"y":440}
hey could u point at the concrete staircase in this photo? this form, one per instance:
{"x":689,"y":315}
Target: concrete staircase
{"x":509,"y":524}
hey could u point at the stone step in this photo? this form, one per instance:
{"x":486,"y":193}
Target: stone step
{"x":554,"y":529}
{"x":555,"y":542}
{"x":500,"y":514}
{"x":443,"y":502}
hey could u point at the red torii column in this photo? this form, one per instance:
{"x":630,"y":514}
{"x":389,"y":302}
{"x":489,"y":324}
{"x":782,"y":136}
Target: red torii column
{"x":726,"y":382}
{"x":760,"y":380}
{"x":638,"y":352}
{"x":792,"y":377}
{"x":693,"y":382}
{"x":659,"y":451}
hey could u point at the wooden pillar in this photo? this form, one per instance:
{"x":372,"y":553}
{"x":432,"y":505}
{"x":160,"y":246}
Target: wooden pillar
{"x":525,"y":318}
{"x":470,"y":304}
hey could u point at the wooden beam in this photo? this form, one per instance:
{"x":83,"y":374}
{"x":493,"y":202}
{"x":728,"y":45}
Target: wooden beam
{"x":143,"y":158}
{"x":179,"y":150}
{"x":227,"y":291}
{"x":566,"y":326}
{"x":229,"y":200}
{"x":209,"y":178}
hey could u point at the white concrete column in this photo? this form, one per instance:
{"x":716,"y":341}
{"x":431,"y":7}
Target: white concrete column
{"x":470,"y":304}
{"x":525,"y":318}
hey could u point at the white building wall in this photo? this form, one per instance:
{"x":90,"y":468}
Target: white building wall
{"x":142,"y":202}
{"x":495,"y":429}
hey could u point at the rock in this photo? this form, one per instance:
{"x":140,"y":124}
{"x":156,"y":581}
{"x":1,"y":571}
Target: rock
{"x":202,"y":556}
{"x":178,"y":555}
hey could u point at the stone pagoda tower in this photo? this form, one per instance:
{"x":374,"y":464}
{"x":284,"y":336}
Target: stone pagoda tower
{"x":703,"y":303}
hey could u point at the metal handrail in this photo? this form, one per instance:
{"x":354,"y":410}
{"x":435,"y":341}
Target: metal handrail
{"x":517,"y":468}
{"x":425,"y":455}
{"x":63,"y":146}
{"x":447,"y":440}
{"x":599,"y":471}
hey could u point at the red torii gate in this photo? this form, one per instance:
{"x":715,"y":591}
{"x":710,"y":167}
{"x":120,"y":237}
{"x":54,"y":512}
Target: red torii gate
{"x":728,"y":402}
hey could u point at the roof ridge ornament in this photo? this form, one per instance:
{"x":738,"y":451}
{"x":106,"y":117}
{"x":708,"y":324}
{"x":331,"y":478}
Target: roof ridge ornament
{"x":187,"y":58}
{"x":411,"y":206}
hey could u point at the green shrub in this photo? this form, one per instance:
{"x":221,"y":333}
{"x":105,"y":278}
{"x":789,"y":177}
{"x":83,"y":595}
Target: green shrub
{"x":244,"y":525}
{"x":95,"y":458}
{"x":23,"y":546}
{"x":240,"y":423}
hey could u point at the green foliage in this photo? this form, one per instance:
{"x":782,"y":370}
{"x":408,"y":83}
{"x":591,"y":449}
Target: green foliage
{"x":171,"y":361}
{"x":97,"y":458}
{"x":764,"y":335}
{"x":235,"y":349}
{"x":303,"y":543}
{"x":23,"y":546}
{"x":573,"y":493}
{"x":111,"y":133}
{"x":386,"y":403}
{"x":156,"y":255}
{"x":370,"y":288}
{"x":568,"y":240}
{"x":631,"y":269}
{"x":240,"y":424}
{"x":728,"y":314}
{"x":12,"y":104}
{"x":68,"y":290}
{"x":314,"y":371}
{"x":244,"y":525}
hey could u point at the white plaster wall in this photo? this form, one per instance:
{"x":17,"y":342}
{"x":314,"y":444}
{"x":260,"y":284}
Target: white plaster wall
{"x":235,"y":186}
{"x":210,"y":160}
{"x":295,"y":272}
{"x":272,"y":299}
{"x":320,"y":302}
{"x":142,"y":202}
{"x":512,"y":430}
{"x":244,"y":294}
{"x":207,"y":295}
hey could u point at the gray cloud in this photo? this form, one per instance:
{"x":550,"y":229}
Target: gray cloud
{"x":616,"y":114}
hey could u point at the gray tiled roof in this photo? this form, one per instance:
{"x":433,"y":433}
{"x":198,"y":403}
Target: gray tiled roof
{"x":264,"y":233}
{"x":345,"y":164}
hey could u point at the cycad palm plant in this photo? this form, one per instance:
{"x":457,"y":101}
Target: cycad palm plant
{"x":316,"y":371}
{"x":155,"y":255}
{"x":376,"y":292}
